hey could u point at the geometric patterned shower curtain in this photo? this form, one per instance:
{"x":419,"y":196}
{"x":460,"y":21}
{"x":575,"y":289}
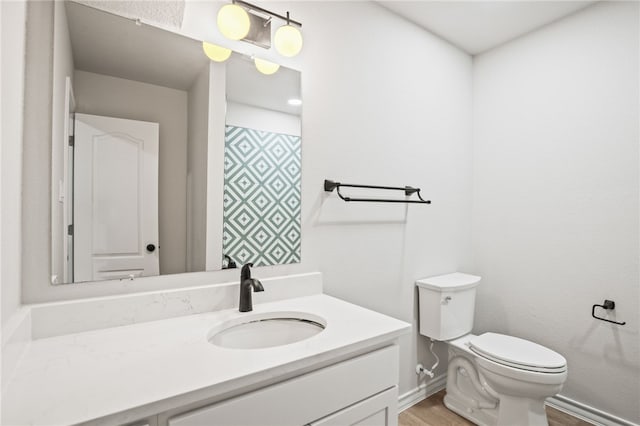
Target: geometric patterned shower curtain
{"x":261,"y":218}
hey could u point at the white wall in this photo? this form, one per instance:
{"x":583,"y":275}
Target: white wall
{"x":2,"y":83}
{"x":62,"y":68}
{"x":116,"y":97}
{"x":1,"y":138}
{"x":13,"y":15}
{"x":404,"y":119}
{"x":555,"y":220}
{"x":197,"y":144}
{"x":1,"y":259}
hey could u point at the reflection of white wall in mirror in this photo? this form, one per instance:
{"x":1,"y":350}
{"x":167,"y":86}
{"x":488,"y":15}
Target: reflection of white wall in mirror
{"x":115,"y":97}
{"x":215,"y":163}
{"x":248,"y":116}
{"x":62,"y":69}
{"x":197,"y":148}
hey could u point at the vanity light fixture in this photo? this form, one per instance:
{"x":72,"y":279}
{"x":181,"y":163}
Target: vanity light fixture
{"x":216,"y":53}
{"x":265,"y":67}
{"x":288,"y":39}
{"x":247,"y":22}
{"x":233,"y":21}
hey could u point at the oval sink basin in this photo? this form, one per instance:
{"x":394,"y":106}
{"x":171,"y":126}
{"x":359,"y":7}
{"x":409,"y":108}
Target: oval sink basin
{"x":266,"y":330}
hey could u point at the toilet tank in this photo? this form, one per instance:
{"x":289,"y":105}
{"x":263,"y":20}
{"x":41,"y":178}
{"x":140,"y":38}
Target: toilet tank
{"x":446,"y":304}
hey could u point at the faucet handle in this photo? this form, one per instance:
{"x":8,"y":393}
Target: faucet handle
{"x":245,"y":272}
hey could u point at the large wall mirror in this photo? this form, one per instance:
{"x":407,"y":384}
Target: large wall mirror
{"x":163,"y":161}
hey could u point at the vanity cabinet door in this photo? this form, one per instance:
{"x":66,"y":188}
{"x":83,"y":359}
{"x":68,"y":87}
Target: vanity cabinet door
{"x":305,"y":398}
{"x":379,"y":410}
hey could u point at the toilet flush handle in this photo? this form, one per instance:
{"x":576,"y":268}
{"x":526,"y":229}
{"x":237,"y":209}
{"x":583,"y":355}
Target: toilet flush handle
{"x":446,"y":300}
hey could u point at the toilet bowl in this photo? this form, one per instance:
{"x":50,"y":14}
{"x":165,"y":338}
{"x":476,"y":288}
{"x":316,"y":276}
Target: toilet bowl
{"x":492,"y":379}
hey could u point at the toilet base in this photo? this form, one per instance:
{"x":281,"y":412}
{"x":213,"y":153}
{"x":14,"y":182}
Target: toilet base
{"x":524,"y":411}
{"x":478,"y":416}
{"x":466,"y":394}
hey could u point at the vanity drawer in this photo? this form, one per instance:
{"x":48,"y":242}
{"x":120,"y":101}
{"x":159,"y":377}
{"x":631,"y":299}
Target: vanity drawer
{"x":306,"y":398}
{"x":378,"y":410}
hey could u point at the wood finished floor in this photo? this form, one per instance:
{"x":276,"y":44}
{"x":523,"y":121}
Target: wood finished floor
{"x":432,"y":412}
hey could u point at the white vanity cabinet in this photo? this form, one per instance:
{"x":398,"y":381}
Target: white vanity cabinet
{"x":345,"y":375}
{"x":359,"y":391}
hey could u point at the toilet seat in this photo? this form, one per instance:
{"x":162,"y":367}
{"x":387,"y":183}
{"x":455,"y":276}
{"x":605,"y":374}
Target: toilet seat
{"x":517,"y":353}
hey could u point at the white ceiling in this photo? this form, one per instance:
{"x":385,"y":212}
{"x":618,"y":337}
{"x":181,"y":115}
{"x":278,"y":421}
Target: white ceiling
{"x":477,"y":26}
{"x":111,"y":45}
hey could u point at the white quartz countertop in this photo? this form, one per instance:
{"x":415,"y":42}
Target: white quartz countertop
{"x":121,"y":374}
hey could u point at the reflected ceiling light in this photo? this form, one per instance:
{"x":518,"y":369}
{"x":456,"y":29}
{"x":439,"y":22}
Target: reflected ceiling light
{"x":233,"y":21}
{"x":295,"y":102}
{"x":266,"y":67}
{"x":288,"y":39}
{"x":215,"y":52}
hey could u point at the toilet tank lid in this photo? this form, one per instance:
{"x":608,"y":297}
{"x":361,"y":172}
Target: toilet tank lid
{"x":449,"y":282}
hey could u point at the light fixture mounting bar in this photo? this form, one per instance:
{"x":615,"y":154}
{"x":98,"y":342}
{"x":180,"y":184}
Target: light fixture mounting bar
{"x":260,"y":9}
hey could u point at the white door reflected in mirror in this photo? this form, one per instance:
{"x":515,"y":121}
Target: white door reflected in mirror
{"x":115,"y":198}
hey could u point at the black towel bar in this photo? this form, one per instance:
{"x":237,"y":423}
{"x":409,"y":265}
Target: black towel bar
{"x":330,"y":185}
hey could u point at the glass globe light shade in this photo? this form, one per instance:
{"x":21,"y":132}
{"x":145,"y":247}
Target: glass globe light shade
{"x":266,"y":67}
{"x":215,"y":52}
{"x":288,"y":40}
{"x":233,"y":22}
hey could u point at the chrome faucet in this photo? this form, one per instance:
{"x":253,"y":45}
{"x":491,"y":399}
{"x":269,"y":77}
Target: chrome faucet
{"x":246,"y":283}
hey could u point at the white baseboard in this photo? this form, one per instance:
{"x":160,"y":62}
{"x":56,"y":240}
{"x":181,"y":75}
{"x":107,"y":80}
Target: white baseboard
{"x":562,"y":403}
{"x":586,"y":412}
{"x":425,"y":390}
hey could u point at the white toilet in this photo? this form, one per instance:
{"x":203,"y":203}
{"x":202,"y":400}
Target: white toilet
{"x":493,"y":379}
